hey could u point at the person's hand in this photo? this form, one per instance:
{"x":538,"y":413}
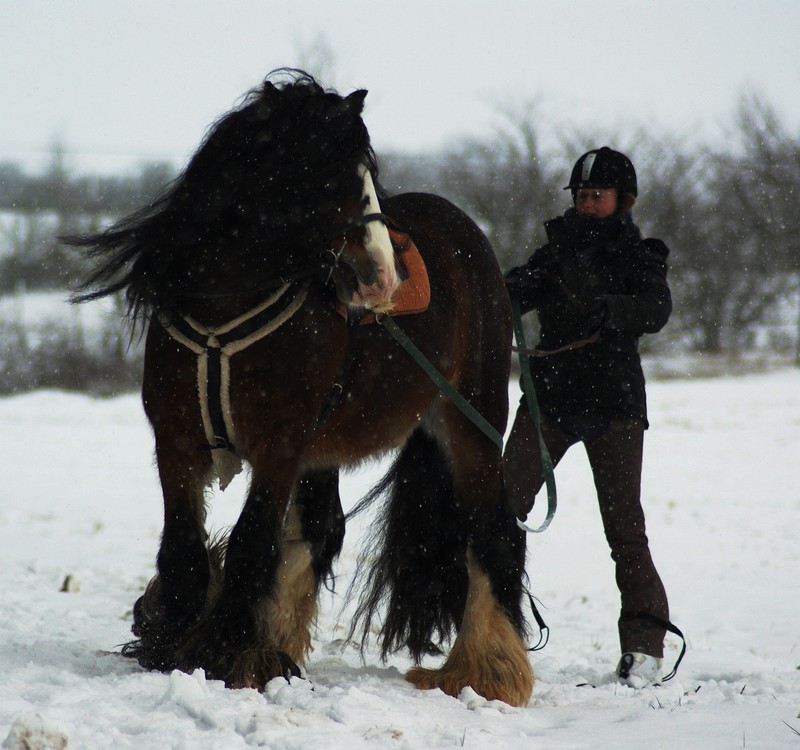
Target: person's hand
{"x":595,"y":317}
{"x":520,"y":280}
{"x":515,"y":286}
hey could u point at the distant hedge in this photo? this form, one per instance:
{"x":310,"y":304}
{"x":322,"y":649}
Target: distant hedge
{"x":58,"y":357}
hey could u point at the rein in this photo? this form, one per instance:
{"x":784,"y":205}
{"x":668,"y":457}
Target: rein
{"x":669,"y":627}
{"x":573,"y":299}
{"x":487,"y":429}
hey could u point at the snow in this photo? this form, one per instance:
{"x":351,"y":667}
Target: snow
{"x":81,"y":500}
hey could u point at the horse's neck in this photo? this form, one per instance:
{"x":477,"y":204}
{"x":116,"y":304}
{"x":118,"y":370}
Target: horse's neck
{"x":219,"y":290}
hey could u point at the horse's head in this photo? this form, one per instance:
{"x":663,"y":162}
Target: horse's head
{"x":295,"y":169}
{"x":363,"y":270}
{"x":279,"y":183}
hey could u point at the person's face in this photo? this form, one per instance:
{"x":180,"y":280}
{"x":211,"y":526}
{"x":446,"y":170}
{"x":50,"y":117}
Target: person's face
{"x":598,"y":203}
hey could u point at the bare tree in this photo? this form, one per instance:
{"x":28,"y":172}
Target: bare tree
{"x":737,"y":246}
{"x":507,"y":184}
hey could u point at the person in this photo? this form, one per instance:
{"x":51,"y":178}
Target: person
{"x":597,"y":286}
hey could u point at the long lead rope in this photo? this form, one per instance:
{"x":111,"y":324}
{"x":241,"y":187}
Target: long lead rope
{"x":479,"y":421}
{"x":476,"y":418}
{"x":441,"y":382}
{"x":533,"y":407}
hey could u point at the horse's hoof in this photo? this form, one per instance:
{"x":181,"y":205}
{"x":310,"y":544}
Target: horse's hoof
{"x":139,"y":620}
{"x":515,"y":692}
{"x":254,"y":668}
{"x":430,"y":679}
{"x":288,"y":668}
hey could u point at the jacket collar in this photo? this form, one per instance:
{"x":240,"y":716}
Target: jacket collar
{"x":570,"y":230}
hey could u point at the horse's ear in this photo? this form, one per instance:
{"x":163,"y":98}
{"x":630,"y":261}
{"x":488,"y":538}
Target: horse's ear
{"x":356,"y":100}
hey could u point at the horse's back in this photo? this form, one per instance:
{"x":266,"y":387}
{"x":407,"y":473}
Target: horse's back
{"x":428,"y":216}
{"x":466,"y":281}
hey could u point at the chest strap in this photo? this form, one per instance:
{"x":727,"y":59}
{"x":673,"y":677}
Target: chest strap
{"x":214,"y":346}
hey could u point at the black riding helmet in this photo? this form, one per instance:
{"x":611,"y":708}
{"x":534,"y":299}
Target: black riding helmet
{"x":604,"y":168}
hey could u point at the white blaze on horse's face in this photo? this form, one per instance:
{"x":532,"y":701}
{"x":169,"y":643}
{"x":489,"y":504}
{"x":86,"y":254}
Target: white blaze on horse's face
{"x":376,"y":296}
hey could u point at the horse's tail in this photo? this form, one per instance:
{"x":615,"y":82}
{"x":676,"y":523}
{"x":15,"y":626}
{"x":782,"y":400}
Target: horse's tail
{"x":419,"y":548}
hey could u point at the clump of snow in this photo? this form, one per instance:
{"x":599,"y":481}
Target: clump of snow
{"x":80,"y":503}
{"x":34,"y":733}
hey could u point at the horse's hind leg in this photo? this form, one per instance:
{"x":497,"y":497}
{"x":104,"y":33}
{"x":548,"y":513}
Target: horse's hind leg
{"x":489,"y":653}
{"x":176,"y":597}
{"x":420,"y":571}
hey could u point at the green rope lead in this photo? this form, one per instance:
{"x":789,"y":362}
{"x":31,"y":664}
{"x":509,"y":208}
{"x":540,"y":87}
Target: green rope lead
{"x":474,"y":416}
{"x":533,"y":406}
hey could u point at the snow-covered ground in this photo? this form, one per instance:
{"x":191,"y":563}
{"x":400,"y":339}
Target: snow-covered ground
{"x":80,"y":509}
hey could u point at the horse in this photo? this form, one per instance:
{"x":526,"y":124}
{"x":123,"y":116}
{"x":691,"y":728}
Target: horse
{"x":252,"y":278}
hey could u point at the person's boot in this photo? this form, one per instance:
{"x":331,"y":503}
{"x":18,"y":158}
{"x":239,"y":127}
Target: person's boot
{"x":639,"y":670}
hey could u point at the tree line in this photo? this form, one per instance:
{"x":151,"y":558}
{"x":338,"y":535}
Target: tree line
{"x":726,"y":211}
{"x":39,"y":209}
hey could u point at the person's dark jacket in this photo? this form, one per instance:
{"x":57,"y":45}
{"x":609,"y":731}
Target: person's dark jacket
{"x":593,"y":273}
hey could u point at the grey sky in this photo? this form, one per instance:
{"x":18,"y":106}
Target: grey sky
{"x":119,"y":82}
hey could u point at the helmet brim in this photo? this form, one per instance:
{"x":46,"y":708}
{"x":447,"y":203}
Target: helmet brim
{"x":590,"y":186}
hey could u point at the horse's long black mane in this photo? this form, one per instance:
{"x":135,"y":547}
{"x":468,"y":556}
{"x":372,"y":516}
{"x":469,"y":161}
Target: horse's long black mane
{"x":255,"y":202}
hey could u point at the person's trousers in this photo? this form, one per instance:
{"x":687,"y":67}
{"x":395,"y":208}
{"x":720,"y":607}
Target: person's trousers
{"x":615,"y":457}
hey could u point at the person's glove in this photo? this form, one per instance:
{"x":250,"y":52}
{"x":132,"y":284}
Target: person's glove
{"x":595,"y":317}
{"x":520,"y":281}
{"x":514,"y":282}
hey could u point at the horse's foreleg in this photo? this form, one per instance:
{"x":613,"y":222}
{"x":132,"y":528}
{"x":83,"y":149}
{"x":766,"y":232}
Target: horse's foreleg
{"x":321,"y":518}
{"x":293,"y":604}
{"x":234,"y":642}
{"x":176,"y":597}
{"x":182,"y":557}
{"x":312,"y":539}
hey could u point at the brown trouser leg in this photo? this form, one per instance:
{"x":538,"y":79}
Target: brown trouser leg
{"x":522,"y":462}
{"x":616,"y":461}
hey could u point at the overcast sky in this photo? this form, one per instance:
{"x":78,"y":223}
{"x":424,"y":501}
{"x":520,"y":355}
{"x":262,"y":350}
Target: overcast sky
{"x":119,"y":82}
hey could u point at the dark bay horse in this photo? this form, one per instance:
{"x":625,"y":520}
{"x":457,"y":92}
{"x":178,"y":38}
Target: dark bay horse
{"x":237,"y":271}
